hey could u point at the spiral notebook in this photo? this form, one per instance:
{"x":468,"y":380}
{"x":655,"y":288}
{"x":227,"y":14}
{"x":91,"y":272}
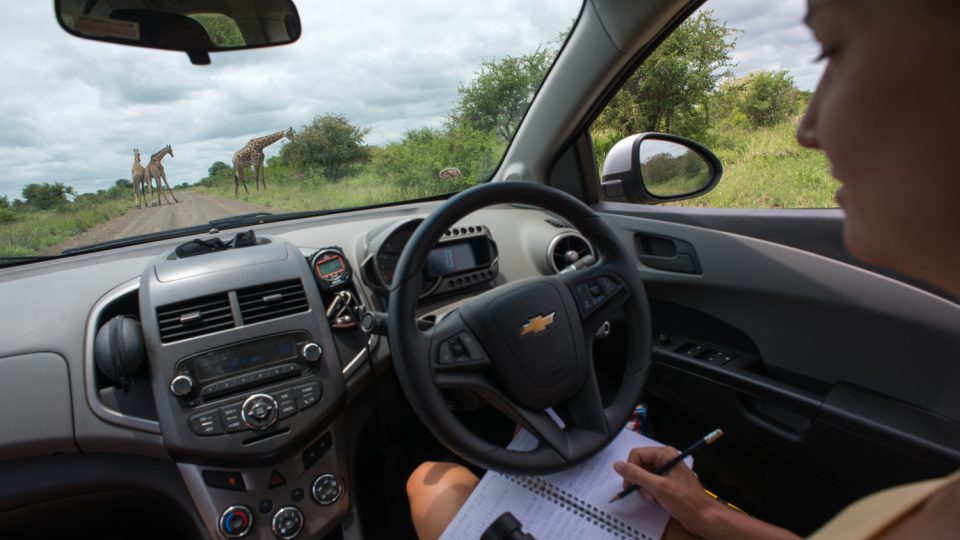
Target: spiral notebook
{"x":569,"y":504}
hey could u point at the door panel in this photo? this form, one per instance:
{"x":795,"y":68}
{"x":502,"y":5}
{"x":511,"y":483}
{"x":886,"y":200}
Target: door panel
{"x":830,"y":380}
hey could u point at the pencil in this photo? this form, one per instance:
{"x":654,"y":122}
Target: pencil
{"x":709,"y":438}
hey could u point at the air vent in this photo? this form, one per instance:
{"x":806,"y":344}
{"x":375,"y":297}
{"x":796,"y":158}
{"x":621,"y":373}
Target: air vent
{"x":194,"y":317}
{"x":567,"y":248}
{"x":557,"y":224}
{"x":272,"y":300}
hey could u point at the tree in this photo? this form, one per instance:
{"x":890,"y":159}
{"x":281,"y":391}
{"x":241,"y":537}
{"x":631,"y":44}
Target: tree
{"x":330,"y":143}
{"x":217,"y":167}
{"x":670,"y":91}
{"x":4,"y":201}
{"x":497,"y":97}
{"x":46,"y":196}
{"x":770,"y":97}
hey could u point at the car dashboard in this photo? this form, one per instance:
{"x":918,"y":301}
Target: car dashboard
{"x":252,"y":352}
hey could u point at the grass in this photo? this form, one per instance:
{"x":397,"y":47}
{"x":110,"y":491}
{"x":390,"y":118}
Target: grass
{"x":766,"y":168}
{"x":33,"y":232}
{"x":360,"y":190}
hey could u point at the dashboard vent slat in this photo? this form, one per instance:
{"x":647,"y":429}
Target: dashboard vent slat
{"x":273,"y":300}
{"x":195,"y":317}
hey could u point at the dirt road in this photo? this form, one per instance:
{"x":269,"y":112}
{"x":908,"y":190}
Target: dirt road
{"x":193,"y":209}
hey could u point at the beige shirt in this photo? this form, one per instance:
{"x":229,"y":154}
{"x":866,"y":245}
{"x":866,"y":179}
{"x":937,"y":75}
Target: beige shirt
{"x":868,"y":517}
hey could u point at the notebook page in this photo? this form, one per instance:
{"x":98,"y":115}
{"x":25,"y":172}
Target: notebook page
{"x":593,"y":482}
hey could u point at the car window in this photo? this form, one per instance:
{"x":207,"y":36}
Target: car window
{"x":736,"y":77}
{"x":375,"y":104}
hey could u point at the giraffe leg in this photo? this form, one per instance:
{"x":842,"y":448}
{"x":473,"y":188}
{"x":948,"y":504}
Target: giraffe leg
{"x":164,"y":175}
{"x":257,"y":170}
{"x":157,"y":180}
{"x":262,"y":177}
{"x":240,"y":177}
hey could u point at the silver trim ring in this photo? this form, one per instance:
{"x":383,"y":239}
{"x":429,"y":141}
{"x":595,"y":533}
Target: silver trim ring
{"x":273,"y":523}
{"x":313,"y":489}
{"x":556,"y":240}
{"x":274,"y":416}
{"x":223,"y":516}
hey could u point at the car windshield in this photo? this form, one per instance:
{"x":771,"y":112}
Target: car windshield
{"x":377,"y":103}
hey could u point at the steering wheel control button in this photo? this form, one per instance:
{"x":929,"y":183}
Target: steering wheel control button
{"x":326,"y":489}
{"x":236,"y":521}
{"x":206,"y":424}
{"x":460,"y":351}
{"x":287,"y":523}
{"x":181,"y":385}
{"x":308,"y":395}
{"x":276,"y":479}
{"x":311,"y":352}
{"x":259,"y":411}
{"x":224,"y":480}
{"x":316,"y":450}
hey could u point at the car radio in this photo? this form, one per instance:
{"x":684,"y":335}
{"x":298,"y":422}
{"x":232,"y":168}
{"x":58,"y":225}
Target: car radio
{"x":241,"y":366}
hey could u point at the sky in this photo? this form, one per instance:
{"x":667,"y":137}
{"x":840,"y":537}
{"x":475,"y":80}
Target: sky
{"x":73,"y":110}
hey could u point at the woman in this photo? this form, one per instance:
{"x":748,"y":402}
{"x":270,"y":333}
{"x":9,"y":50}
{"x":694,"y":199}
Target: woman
{"x":886,"y":114}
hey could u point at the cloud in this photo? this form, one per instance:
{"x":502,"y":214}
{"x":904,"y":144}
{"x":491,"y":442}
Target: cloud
{"x":73,"y":110}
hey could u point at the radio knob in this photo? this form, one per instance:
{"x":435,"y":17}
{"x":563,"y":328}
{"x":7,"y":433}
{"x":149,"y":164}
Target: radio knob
{"x":311,"y":352}
{"x":181,"y":385}
{"x":259,"y":411}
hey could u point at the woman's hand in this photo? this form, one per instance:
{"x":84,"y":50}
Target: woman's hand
{"x":678,"y":491}
{"x":681,"y":494}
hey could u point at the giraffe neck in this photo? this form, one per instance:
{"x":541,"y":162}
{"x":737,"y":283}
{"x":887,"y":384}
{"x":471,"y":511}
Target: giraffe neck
{"x":262,"y":142}
{"x":159,"y":155}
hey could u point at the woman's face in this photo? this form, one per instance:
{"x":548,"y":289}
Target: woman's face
{"x":887,"y":114}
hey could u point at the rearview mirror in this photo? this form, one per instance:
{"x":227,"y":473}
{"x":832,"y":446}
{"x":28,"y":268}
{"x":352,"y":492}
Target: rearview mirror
{"x":196,"y":27}
{"x":658,"y":167}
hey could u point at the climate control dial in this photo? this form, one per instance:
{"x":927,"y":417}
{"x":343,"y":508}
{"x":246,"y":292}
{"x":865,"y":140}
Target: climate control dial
{"x":287,"y":523}
{"x":259,"y":411}
{"x":326,"y":489}
{"x":236,"y":521}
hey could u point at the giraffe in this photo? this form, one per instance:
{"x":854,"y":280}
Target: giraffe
{"x":140,"y":180}
{"x":251,"y":155}
{"x":155,"y":173}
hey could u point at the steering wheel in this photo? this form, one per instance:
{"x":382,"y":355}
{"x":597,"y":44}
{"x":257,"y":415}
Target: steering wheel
{"x":525,"y":346}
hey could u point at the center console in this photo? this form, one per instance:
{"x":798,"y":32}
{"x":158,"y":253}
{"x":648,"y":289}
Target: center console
{"x":248,"y":385}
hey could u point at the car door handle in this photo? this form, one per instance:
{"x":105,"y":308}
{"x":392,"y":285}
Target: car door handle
{"x":668,"y":254}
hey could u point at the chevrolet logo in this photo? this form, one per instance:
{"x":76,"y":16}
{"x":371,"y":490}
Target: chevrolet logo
{"x":537,"y":324}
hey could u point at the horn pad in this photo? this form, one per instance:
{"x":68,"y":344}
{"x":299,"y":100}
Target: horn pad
{"x":534,"y":335}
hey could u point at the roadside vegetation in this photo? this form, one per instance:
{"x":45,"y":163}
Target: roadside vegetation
{"x":686,"y":87}
{"x":51,"y":213}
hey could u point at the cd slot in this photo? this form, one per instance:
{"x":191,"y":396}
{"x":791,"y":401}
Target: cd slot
{"x":249,"y":380}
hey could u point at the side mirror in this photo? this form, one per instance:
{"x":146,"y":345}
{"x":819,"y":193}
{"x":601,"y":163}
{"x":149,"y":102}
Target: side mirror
{"x":658,"y":167}
{"x":192,"y":26}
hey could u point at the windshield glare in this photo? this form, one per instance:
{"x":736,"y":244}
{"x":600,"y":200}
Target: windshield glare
{"x":376,"y":103}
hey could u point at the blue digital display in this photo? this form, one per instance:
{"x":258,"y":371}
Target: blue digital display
{"x":243,"y":357}
{"x":450,"y":259}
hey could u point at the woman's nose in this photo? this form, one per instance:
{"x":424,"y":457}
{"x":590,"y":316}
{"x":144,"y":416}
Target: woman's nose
{"x":807,"y":129}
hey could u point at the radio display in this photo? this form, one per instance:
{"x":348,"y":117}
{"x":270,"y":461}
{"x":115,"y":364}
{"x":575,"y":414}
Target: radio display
{"x":242,"y":357}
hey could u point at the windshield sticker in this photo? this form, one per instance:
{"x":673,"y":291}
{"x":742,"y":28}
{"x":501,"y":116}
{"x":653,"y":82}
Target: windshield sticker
{"x":449,"y":173}
{"x":98,"y":26}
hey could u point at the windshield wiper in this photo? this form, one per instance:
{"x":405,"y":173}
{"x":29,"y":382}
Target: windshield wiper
{"x":240,"y":220}
{"x":14,"y":261}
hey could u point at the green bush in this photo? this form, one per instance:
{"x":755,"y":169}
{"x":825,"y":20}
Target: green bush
{"x":7,"y":216}
{"x":417,"y":160}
